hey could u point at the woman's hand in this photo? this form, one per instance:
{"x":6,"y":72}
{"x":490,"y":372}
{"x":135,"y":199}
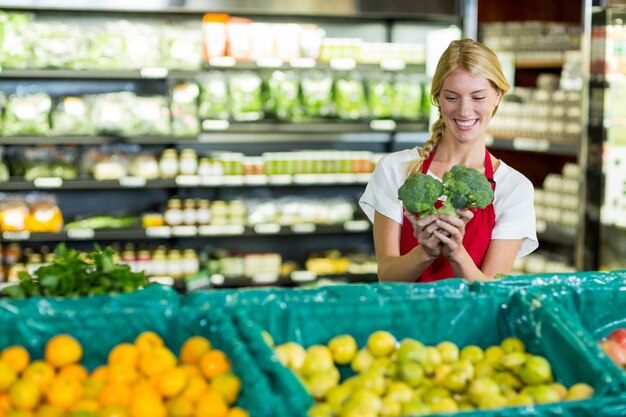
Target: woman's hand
{"x":451,"y":231}
{"x":423,"y":231}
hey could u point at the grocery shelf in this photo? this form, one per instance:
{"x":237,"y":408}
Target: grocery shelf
{"x":166,"y":232}
{"x":539,"y":59}
{"x":57,"y":140}
{"x":184,"y":181}
{"x":559,"y":234}
{"x":553,"y":146}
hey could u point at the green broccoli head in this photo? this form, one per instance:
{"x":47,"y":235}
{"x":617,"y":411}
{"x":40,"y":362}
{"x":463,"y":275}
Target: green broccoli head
{"x":419,"y":193}
{"x":465,"y":188}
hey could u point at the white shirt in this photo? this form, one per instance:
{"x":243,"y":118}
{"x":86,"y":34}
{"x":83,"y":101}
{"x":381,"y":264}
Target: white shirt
{"x":513,"y":201}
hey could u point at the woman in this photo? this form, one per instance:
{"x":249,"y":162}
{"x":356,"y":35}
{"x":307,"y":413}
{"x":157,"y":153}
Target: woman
{"x":467,"y":87}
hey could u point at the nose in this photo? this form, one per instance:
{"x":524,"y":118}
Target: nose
{"x":465,"y":107}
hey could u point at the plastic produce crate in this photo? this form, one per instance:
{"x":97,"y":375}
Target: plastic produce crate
{"x":464,"y":319}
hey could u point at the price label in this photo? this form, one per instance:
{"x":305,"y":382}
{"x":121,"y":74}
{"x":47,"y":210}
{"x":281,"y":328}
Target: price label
{"x":48,"y":182}
{"x":383,"y":125}
{"x":222,"y":61}
{"x":265,"y":277}
{"x":81,"y":234}
{"x":303,"y":276}
{"x":363,"y":178}
{"x":391,"y":64}
{"x":132,"y":182}
{"x":267,"y":228}
{"x":303,"y":228}
{"x":530,"y":144}
{"x":302,"y":63}
{"x":188,"y":180}
{"x":256,"y":179}
{"x":184,"y":231}
{"x":233,"y":179}
{"x":342,"y":64}
{"x":162,"y":280}
{"x":307,"y":178}
{"x":269,"y":62}
{"x":217,"y":279}
{"x":159,"y":232}
{"x":356,"y":226}
{"x":153,"y":72}
{"x":221,"y":230}
{"x":194,"y":284}
{"x":212,"y":181}
{"x":280,"y":179}
{"x":215,"y":124}
{"x":16,"y":235}
{"x":343,"y":178}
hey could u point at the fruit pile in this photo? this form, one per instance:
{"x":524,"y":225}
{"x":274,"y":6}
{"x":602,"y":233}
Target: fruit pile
{"x":615,"y":346}
{"x":394,"y":378}
{"x":140,"y":379}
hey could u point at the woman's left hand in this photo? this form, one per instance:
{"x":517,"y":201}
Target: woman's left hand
{"x":453,"y":231}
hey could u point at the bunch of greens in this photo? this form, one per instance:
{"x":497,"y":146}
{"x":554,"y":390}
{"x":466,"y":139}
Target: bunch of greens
{"x":72,"y":275}
{"x":464,"y":188}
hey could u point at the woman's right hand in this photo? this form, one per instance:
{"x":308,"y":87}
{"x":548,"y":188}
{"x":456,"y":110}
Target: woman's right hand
{"x":423,"y":231}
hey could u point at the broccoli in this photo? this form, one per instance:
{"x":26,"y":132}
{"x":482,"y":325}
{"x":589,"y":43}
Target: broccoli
{"x":419,"y":193}
{"x":463,"y":186}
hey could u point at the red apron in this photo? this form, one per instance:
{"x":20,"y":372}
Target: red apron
{"x":477,"y":232}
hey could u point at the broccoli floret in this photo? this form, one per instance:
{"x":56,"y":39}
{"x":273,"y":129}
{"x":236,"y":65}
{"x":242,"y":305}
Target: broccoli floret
{"x":465,"y":188}
{"x":419,"y":193}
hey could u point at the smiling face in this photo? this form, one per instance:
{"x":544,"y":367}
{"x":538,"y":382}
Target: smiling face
{"x":467,"y":103}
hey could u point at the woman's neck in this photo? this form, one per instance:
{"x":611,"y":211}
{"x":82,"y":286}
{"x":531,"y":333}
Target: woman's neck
{"x":452,"y":153}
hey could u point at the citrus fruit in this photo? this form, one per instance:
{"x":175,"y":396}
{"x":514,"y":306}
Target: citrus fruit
{"x":25,"y":394}
{"x":228,"y":386}
{"x":16,"y":356}
{"x":124,"y":354}
{"x":381,"y":343}
{"x":214,"y":363}
{"x":62,"y":350}
{"x":193,"y":349}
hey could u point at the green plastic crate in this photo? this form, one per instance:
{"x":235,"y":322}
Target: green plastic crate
{"x":463,"y":319}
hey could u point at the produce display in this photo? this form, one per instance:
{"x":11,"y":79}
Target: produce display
{"x":140,"y":379}
{"x":615,"y":346}
{"x":71,"y":275}
{"x":463,"y":187}
{"x":387,"y":377}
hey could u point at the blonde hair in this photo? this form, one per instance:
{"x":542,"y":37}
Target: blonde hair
{"x":471,"y":56}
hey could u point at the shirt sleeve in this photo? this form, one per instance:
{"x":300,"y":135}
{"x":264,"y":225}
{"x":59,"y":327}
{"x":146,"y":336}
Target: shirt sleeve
{"x":381,"y":193}
{"x":515,"y":216}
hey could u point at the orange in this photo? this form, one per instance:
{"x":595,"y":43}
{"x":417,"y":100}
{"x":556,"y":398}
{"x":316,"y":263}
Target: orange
{"x":237,"y":412}
{"x":117,"y":394}
{"x":19,"y":413}
{"x":147,"y":341}
{"x":228,"y":386}
{"x":171,"y":382}
{"x":41,"y":372}
{"x":156,"y":361}
{"x":47,"y":410}
{"x":120,"y":372}
{"x":179,"y":407}
{"x":125,"y":354}
{"x":85,"y":405}
{"x":25,"y":394}
{"x":196,"y":386}
{"x":64,"y":393}
{"x":92,"y":388}
{"x":193,"y":349}
{"x":211,"y":404}
{"x":75,"y":372}
{"x":113,"y":411}
{"x":100,"y":373}
{"x":8,"y":375}
{"x":147,"y":406}
{"x":16,"y":356}
{"x":62,"y":350}
{"x":5,"y":403}
{"x":190,"y":370}
{"x":214,"y":363}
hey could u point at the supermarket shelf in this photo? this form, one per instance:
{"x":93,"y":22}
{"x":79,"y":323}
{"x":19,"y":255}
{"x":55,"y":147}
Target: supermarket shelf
{"x":57,"y":140}
{"x":554,"y":146}
{"x":184,"y":181}
{"x":558,"y":234}
{"x":166,"y":232}
{"x":298,"y":278}
{"x":539,"y":59}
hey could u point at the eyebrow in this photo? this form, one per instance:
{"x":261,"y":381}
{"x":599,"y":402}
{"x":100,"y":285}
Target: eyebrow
{"x":473,"y":92}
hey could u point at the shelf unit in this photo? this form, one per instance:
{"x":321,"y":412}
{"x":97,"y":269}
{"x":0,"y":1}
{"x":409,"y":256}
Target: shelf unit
{"x":391,"y":22}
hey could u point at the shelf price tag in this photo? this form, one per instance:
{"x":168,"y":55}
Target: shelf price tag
{"x":303,"y":276}
{"x":153,"y":72}
{"x":222,"y":61}
{"x":302,"y":63}
{"x":383,"y":125}
{"x":280,"y":179}
{"x":48,"y":182}
{"x":212,"y":181}
{"x":356,"y":226}
{"x":81,"y":234}
{"x":363,"y":178}
{"x":264,"y":277}
{"x":132,"y":182}
{"x":187,"y":180}
{"x":267,"y":228}
{"x":184,"y":231}
{"x":391,"y":64}
{"x":342,"y":64}
{"x":162,"y":280}
{"x":217,"y":279}
{"x":159,"y":232}
{"x":232,"y":179}
{"x":531,"y":144}
{"x":210,"y":124}
{"x":16,"y":235}
{"x":196,"y":283}
{"x":270,"y":62}
{"x":307,"y":178}
{"x":221,"y":230}
{"x":255,"y":179}
{"x":303,"y":228}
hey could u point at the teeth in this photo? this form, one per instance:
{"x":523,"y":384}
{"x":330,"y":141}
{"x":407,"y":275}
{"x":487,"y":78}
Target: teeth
{"x":465,"y":124}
